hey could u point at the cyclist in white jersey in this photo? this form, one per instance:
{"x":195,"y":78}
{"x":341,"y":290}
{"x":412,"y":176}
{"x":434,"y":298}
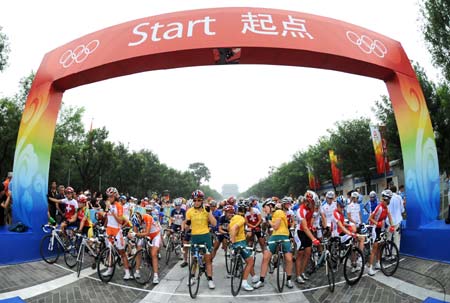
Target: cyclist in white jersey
{"x":327,"y":210}
{"x":125,"y":206}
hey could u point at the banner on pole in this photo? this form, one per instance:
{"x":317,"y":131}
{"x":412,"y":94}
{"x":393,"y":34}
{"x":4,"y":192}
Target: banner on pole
{"x":336,"y":173}
{"x":380,"y":148}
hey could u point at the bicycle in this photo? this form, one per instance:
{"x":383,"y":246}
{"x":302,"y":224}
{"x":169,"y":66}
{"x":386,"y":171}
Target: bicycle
{"x":55,"y":242}
{"x":237,"y":272}
{"x":277,"y":261}
{"x":108,"y":258}
{"x":324,"y":259}
{"x":174,"y":244}
{"x":389,"y":256}
{"x":146,"y":265}
{"x":93,"y":245}
{"x":350,"y":256}
{"x":196,"y":266}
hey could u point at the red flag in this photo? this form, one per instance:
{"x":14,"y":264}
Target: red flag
{"x":335,"y":171}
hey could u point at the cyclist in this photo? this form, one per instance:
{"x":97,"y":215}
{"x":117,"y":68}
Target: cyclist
{"x":354,"y":210}
{"x":304,"y":233}
{"x":83,"y":216}
{"x":71,"y":206}
{"x":199,"y":218}
{"x":114,"y":211}
{"x":217,"y":213}
{"x":279,"y":223}
{"x":345,"y":231}
{"x":237,"y":238}
{"x":377,"y":219}
{"x":146,"y":226}
{"x":126,"y":207}
{"x":177,"y":216}
{"x":253,"y":220}
{"x":327,"y":209}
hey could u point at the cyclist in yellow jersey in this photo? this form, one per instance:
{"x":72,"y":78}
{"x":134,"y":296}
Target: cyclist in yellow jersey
{"x":237,"y":238}
{"x":199,"y":218}
{"x":279,"y":223}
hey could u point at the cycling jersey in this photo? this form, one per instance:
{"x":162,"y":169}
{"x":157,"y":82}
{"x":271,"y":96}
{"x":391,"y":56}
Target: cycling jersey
{"x":304,"y":213}
{"x":116,"y":208}
{"x":252,"y":216}
{"x":283,"y":229}
{"x":354,"y":209}
{"x":380,"y":214}
{"x":178,"y":216}
{"x":199,"y":221}
{"x":150,"y":225}
{"x":84,"y":212}
{"x":316,"y":219}
{"x":224,"y":222}
{"x":71,"y":208}
{"x":217,"y":214}
{"x":290,"y":217}
{"x":239,"y":221}
{"x":127,"y":210}
{"x":328,"y":210}
{"x":337,"y":216}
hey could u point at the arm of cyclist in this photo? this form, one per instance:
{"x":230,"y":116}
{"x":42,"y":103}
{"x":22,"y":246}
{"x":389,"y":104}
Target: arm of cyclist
{"x":275,"y":224}
{"x":211,"y":219}
{"x":344,"y":228}
{"x":233,"y":233}
{"x":324,"y":220}
{"x":308,"y":231}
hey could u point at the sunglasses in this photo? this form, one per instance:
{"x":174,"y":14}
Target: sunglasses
{"x":198,"y":200}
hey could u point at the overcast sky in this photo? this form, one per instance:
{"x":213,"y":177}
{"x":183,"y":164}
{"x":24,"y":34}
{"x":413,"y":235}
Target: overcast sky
{"x":238,"y":120}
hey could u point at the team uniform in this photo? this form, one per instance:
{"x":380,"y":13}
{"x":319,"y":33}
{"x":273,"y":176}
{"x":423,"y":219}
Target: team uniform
{"x":240,"y":236}
{"x":113,"y":228}
{"x":282,"y":233}
{"x":154,"y":233}
{"x":379,"y":214}
{"x":328,"y":210}
{"x":252,"y":218}
{"x":71,"y":207}
{"x":336,"y":230}
{"x":199,"y":227}
{"x":178,"y":216}
{"x":81,"y":214}
{"x":354,"y":209}
{"x":304,"y":213}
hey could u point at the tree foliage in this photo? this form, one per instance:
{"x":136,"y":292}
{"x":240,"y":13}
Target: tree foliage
{"x":200,"y":171}
{"x":436,"y":31}
{"x":4,"y":50}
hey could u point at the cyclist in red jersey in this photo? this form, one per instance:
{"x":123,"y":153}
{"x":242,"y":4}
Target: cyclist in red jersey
{"x":377,"y":218}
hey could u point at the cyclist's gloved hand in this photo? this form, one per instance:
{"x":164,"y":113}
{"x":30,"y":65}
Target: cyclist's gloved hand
{"x":391,"y":229}
{"x":207,"y":208}
{"x":188,"y":222}
{"x":354,"y":235}
{"x":316,"y":242}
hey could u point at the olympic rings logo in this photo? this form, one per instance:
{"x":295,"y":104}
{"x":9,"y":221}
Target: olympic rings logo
{"x":79,"y":54}
{"x":367,"y":45}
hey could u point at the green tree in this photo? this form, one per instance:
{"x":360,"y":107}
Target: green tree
{"x":4,"y":50}
{"x":353,"y":142}
{"x":200,"y":171}
{"x":436,"y":31}
{"x":318,"y":156}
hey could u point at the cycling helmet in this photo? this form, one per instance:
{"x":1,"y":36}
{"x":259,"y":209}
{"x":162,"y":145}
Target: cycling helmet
{"x":243,"y":204}
{"x":330,"y":195}
{"x":112,"y":191}
{"x":373,"y":194}
{"x":198,"y":194}
{"x":136,"y":219}
{"x":177,"y":202}
{"x":386,"y":194}
{"x":69,"y":190}
{"x":340,"y":201}
{"x":317,"y":203}
{"x":355,"y":194}
{"x":309,"y":196}
{"x":189,"y":203}
{"x":213,"y":203}
{"x":228,"y":209}
{"x":269,"y":202}
{"x":82,"y":199}
{"x":148,"y":207}
{"x":286,"y":200}
{"x":123,"y":197}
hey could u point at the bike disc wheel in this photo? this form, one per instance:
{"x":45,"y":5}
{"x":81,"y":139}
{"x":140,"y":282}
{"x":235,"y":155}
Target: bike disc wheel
{"x":50,"y":251}
{"x":236,"y":276}
{"x":145,"y":269}
{"x":330,"y":275}
{"x":353,"y":266}
{"x":194,"y":275}
{"x":281,"y":273}
{"x":106,"y":260}
{"x":389,"y":258}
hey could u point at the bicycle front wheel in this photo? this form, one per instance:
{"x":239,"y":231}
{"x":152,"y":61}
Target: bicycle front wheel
{"x":50,"y":249}
{"x":194,"y":278}
{"x":236,"y":275}
{"x":80,"y":260}
{"x":169,"y":249}
{"x":281,"y":273}
{"x":106,"y":264}
{"x":330,"y":274}
{"x":353,"y":266}
{"x":228,"y":259}
{"x":389,"y":258}
{"x":144,"y":272}
{"x":71,"y":254}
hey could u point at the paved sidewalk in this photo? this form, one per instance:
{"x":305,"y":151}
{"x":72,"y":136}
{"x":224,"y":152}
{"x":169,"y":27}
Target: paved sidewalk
{"x":55,"y":283}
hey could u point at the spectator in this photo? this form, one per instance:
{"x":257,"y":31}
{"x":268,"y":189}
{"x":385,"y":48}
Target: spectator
{"x":8,"y":210}
{"x":396,"y":209}
{"x":52,"y":207}
{"x":402,"y":193}
{"x":3,"y":200}
{"x":60,"y":208}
